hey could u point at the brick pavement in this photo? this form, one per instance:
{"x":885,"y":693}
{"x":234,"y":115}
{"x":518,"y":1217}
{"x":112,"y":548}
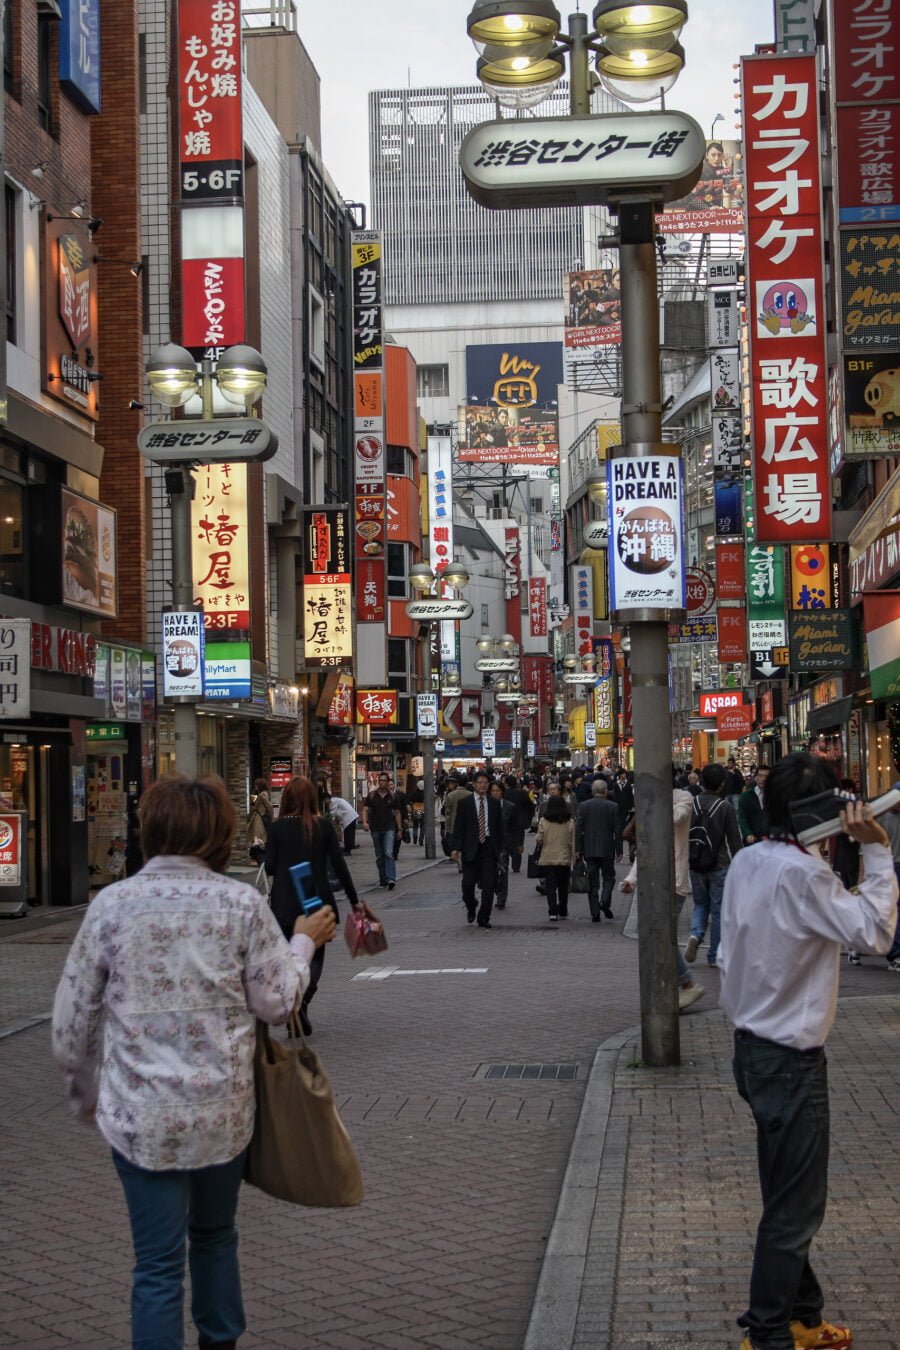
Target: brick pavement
{"x":463,"y":1172}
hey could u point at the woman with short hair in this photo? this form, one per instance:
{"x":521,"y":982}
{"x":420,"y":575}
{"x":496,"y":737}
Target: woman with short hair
{"x":154,"y":1024}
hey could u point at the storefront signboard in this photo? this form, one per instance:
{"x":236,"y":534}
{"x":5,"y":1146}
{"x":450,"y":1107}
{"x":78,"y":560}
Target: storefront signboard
{"x":646,"y":536}
{"x":11,"y":852}
{"x":118,"y":698}
{"x":221,"y":547}
{"x":79,"y":53}
{"x":281,"y":771}
{"x":227,"y":671}
{"x":820,"y":640}
{"x":377,"y":707}
{"x":15,"y":668}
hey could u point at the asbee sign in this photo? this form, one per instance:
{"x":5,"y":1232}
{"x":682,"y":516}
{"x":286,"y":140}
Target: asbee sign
{"x":582,"y":161}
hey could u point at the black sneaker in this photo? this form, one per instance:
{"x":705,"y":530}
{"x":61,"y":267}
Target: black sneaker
{"x":391,"y":885}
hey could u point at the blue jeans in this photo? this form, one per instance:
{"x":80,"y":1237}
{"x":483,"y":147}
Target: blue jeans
{"x":384,"y":855}
{"x":165,"y":1208}
{"x":684,"y":970}
{"x":787,"y":1091}
{"x":708,"y":888}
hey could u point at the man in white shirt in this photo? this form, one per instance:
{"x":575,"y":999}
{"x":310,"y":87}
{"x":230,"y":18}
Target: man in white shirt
{"x":785,"y":915}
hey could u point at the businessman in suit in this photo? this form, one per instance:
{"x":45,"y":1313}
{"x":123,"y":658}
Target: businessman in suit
{"x":478,"y":840}
{"x":596,"y":837}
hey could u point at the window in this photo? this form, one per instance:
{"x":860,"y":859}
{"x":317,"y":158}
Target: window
{"x":485,"y":618}
{"x":8,"y":46}
{"x":316,"y":328}
{"x":11,"y":257}
{"x":12,"y":534}
{"x":398,"y":665}
{"x":433,"y":381}
{"x":45,"y":71}
{"x":396,"y":571}
{"x":399,"y":460}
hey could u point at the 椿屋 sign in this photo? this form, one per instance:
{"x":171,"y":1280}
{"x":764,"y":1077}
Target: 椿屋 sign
{"x":785,"y":297}
{"x":221,"y":546}
{"x":579,"y":161}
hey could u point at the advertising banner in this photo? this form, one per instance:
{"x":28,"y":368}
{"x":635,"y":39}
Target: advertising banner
{"x":866,"y":82}
{"x":512,"y":580}
{"x":820,"y":640}
{"x":583,"y":608}
{"x":427,"y":714}
{"x":593,"y":318}
{"x":716,"y":204}
{"x":728,"y":441}
{"x":15,"y":668}
{"x":89,"y":554}
{"x":590,"y":735}
{"x":882,"y":621}
{"x":646,"y":538}
{"x":440,"y":502}
{"x":785,"y":297}
{"x":537,"y":606}
{"x":514,"y":375}
{"x":725,"y":381}
{"x":872,"y":404}
{"x":724,"y":319}
{"x":730,"y":572}
{"x":728,"y":500}
{"x":183,"y":652}
{"x":377,"y":707}
{"x":221,"y":546}
{"x":370,"y":496}
{"x":488,"y":742}
{"x":508,"y":435}
{"x":732,"y":635}
{"x":870,"y":310}
{"x":327,"y":609}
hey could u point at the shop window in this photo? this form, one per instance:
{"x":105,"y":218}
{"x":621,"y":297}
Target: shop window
{"x":396,"y":571}
{"x":12,"y":537}
{"x":11,"y":261}
{"x":433,"y":381}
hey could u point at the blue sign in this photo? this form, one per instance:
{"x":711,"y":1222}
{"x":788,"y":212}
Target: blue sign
{"x":227,"y":673}
{"x":79,"y":53}
{"x":514,"y":374}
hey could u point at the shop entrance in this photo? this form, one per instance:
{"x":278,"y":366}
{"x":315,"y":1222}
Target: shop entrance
{"x":24,"y":786}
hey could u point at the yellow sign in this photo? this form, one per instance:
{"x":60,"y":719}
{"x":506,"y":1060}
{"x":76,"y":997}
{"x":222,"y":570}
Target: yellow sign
{"x":811,"y":576}
{"x":608,"y":435}
{"x":221,"y":547}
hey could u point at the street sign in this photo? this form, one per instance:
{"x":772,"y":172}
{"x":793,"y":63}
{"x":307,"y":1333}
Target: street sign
{"x":595,"y":534}
{"x":590,"y":735}
{"x":583,"y":161}
{"x":489,"y":742}
{"x":439,"y":609}
{"x":439,"y":747}
{"x":507,"y":698}
{"x":724,"y":271}
{"x":222,"y":440}
{"x":762,"y":666}
{"x":530,"y":751}
{"x":427,"y":714}
{"x":496,"y":663}
{"x":574,"y":678}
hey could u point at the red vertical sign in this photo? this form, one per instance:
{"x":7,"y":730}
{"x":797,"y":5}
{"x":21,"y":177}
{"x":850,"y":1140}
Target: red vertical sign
{"x":732,"y":627}
{"x":730,"y":572}
{"x":513,"y":581}
{"x":785,"y":298}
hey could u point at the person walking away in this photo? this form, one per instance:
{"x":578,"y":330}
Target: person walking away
{"x":176,"y":964}
{"x":301,"y":834}
{"x":259,"y":821}
{"x":345,"y":817}
{"x":521,"y":811}
{"x":595,"y":841}
{"x":509,"y":816}
{"x":381,"y":817}
{"x":456,"y":793}
{"x":682,"y":810}
{"x":752,"y":817}
{"x":784,"y":918}
{"x":713,"y":842}
{"x":556,"y":840}
{"x":402,"y":835}
{"x":626,"y":809}
{"x":734,"y":783}
{"x":477,"y":842}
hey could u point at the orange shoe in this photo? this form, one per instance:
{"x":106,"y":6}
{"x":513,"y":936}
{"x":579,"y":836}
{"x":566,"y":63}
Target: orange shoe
{"x":825,"y":1335}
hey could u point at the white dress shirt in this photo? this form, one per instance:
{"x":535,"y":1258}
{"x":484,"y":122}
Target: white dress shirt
{"x":785,"y":915}
{"x":342,"y":811}
{"x":155,"y":1015}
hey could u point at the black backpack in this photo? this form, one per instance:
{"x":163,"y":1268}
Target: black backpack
{"x":705,"y":836}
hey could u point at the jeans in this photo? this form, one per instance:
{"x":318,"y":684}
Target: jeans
{"x":165,"y":1208}
{"x":708,"y":888}
{"x":684,"y":970}
{"x":418,"y":826}
{"x":596,"y":901}
{"x":481,"y":871}
{"x":557,"y":883}
{"x":787,"y":1091}
{"x":384,"y":855}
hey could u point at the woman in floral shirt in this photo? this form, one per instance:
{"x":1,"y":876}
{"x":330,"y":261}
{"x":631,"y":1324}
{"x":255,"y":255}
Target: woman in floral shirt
{"x":154,"y":1025}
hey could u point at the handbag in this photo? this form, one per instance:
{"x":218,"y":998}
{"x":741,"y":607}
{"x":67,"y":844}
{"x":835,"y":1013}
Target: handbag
{"x":533,"y":868}
{"x":629,"y":833}
{"x":300,"y":1150}
{"x":578,"y":883}
{"x":364,"y":932}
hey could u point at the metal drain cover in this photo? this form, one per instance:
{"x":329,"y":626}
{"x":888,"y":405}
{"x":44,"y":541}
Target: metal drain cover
{"x":555,"y":1072}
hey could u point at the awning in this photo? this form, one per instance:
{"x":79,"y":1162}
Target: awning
{"x":829,"y":715}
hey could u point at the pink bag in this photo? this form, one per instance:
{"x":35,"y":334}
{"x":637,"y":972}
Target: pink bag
{"x":364,"y":932}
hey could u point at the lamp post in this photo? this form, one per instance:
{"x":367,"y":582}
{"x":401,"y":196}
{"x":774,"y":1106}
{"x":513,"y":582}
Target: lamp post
{"x":422,"y":579}
{"x":174,"y":380}
{"x":637,"y":58}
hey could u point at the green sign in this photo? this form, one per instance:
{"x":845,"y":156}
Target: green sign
{"x":106,"y":731}
{"x":765,"y":581}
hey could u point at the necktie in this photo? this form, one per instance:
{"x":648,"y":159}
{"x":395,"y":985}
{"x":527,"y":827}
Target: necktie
{"x":482,"y":829}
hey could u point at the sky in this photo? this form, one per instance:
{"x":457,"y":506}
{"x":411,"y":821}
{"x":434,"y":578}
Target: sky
{"x":359,"y":45}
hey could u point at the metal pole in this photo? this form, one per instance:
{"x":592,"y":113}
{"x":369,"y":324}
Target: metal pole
{"x":428,"y":756}
{"x":642,"y":422}
{"x":579,"y":69}
{"x":183,"y":598}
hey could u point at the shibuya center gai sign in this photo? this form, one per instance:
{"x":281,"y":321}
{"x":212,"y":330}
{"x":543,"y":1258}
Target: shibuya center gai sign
{"x":646,"y":538}
{"x":580,"y":161}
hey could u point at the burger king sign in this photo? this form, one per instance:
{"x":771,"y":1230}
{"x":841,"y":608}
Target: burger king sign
{"x":646,"y":536}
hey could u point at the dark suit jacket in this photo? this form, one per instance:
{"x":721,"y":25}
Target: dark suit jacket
{"x":288,"y":844}
{"x":595,"y":828}
{"x":465,"y":827}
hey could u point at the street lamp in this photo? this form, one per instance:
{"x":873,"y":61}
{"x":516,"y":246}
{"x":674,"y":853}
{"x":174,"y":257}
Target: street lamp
{"x":596,"y":485}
